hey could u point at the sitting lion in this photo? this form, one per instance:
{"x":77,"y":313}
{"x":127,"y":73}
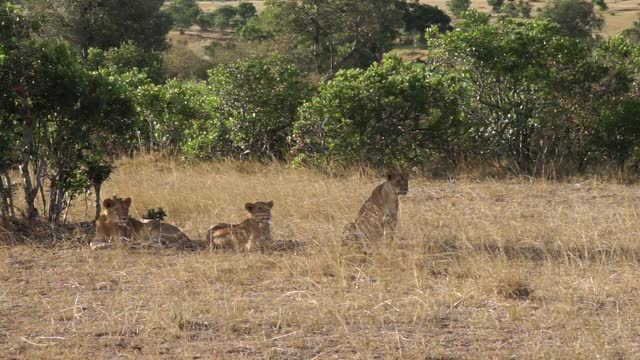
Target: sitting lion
{"x":254,"y":231}
{"x":378,"y":216}
{"x":114,"y":223}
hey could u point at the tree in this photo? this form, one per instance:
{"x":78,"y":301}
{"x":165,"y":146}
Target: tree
{"x":247,"y":10}
{"x":206,"y":21}
{"x":105,"y":24}
{"x":510,"y":9}
{"x":391,"y":113}
{"x":418,"y":17}
{"x":576,"y":18}
{"x":601,"y":4}
{"x":184,"y":13}
{"x":529,"y":96}
{"x":77,"y":114}
{"x":258,"y":102}
{"x":617,"y":129}
{"x":496,"y":5}
{"x":13,"y":32}
{"x":169,"y":112}
{"x":524,"y":7}
{"x":97,"y":170}
{"x":260,"y":28}
{"x":331,"y":35}
{"x":457,"y":7}
{"x":632,"y":34}
{"x":224,"y":15}
{"x":617,"y":132}
{"x":128,"y":58}
{"x":58,"y":113}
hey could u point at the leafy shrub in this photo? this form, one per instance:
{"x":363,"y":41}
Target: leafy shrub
{"x":528,"y":95}
{"x":257,"y":102}
{"x":576,"y":18}
{"x":457,"y":7}
{"x":395,"y":112}
{"x":128,"y":58}
{"x":155,"y":214}
{"x":170,"y":112}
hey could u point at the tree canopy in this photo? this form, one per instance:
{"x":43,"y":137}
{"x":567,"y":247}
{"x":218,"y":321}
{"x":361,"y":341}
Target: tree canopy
{"x":104,"y":24}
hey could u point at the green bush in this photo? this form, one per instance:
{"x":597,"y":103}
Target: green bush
{"x":528,"y":95}
{"x":457,"y":7}
{"x":576,"y":18}
{"x":395,"y":112}
{"x":128,"y":58}
{"x":257,"y":103}
{"x":170,"y":112}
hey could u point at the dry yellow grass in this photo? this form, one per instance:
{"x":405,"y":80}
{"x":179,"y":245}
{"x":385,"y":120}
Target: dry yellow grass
{"x":620,"y":14}
{"x":480,"y":270}
{"x":209,"y":6}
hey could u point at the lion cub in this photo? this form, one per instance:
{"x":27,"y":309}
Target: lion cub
{"x":255,"y":230}
{"x":115,"y":223}
{"x":378,"y":216}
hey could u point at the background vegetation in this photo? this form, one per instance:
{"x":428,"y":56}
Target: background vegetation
{"x":309,"y":83}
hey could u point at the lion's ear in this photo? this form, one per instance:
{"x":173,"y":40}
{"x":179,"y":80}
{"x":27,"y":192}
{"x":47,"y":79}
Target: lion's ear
{"x":270,"y":204}
{"x":249,"y":206}
{"x":107,"y":203}
{"x":389,"y":175}
{"x":127,"y":201}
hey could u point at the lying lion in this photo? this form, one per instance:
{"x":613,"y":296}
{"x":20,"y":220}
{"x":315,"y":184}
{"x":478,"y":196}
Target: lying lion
{"x":254,"y":231}
{"x":378,"y":216}
{"x":114,"y":223}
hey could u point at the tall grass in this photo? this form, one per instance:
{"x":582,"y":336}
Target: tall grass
{"x":478,"y":270}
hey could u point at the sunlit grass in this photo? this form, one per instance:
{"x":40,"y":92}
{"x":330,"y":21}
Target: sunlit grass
{"x":478,"y":270}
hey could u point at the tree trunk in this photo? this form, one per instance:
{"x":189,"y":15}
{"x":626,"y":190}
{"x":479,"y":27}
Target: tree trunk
{"x":97,"y":186}
{"x":380,"y":54}
{"x":56,"y":204}
{"x":8,"y":195}
{"x":57,"y":195}
{"x":30,"y":192}
{"x":4,"y":207}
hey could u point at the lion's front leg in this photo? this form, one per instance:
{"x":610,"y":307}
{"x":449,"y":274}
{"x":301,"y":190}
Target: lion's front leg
{"x":102,"y":239}
{"x":250,"y":242}
{"x":100,"y":242}
{"x":390,"y":223}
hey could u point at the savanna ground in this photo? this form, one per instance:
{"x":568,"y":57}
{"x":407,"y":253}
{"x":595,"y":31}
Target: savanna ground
{"x":504,"y":269}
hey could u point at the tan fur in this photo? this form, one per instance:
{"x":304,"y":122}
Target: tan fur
{"x":254,"y":231}
{"x":378,"y":216}
{"x":115,"y":223}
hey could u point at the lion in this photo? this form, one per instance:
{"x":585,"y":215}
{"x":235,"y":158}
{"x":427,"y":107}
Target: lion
{"x":254,"y":231}
{"x":115,"y":223}
{"x":378,"y":216}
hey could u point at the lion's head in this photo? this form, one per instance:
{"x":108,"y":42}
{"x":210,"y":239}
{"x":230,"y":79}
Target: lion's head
{"x":260,"y":211}
{"x":399,"y":181}
{"x":117,"y":210}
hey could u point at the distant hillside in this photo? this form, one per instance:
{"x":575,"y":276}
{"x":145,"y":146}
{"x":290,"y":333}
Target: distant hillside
{"x":620,"y":15}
